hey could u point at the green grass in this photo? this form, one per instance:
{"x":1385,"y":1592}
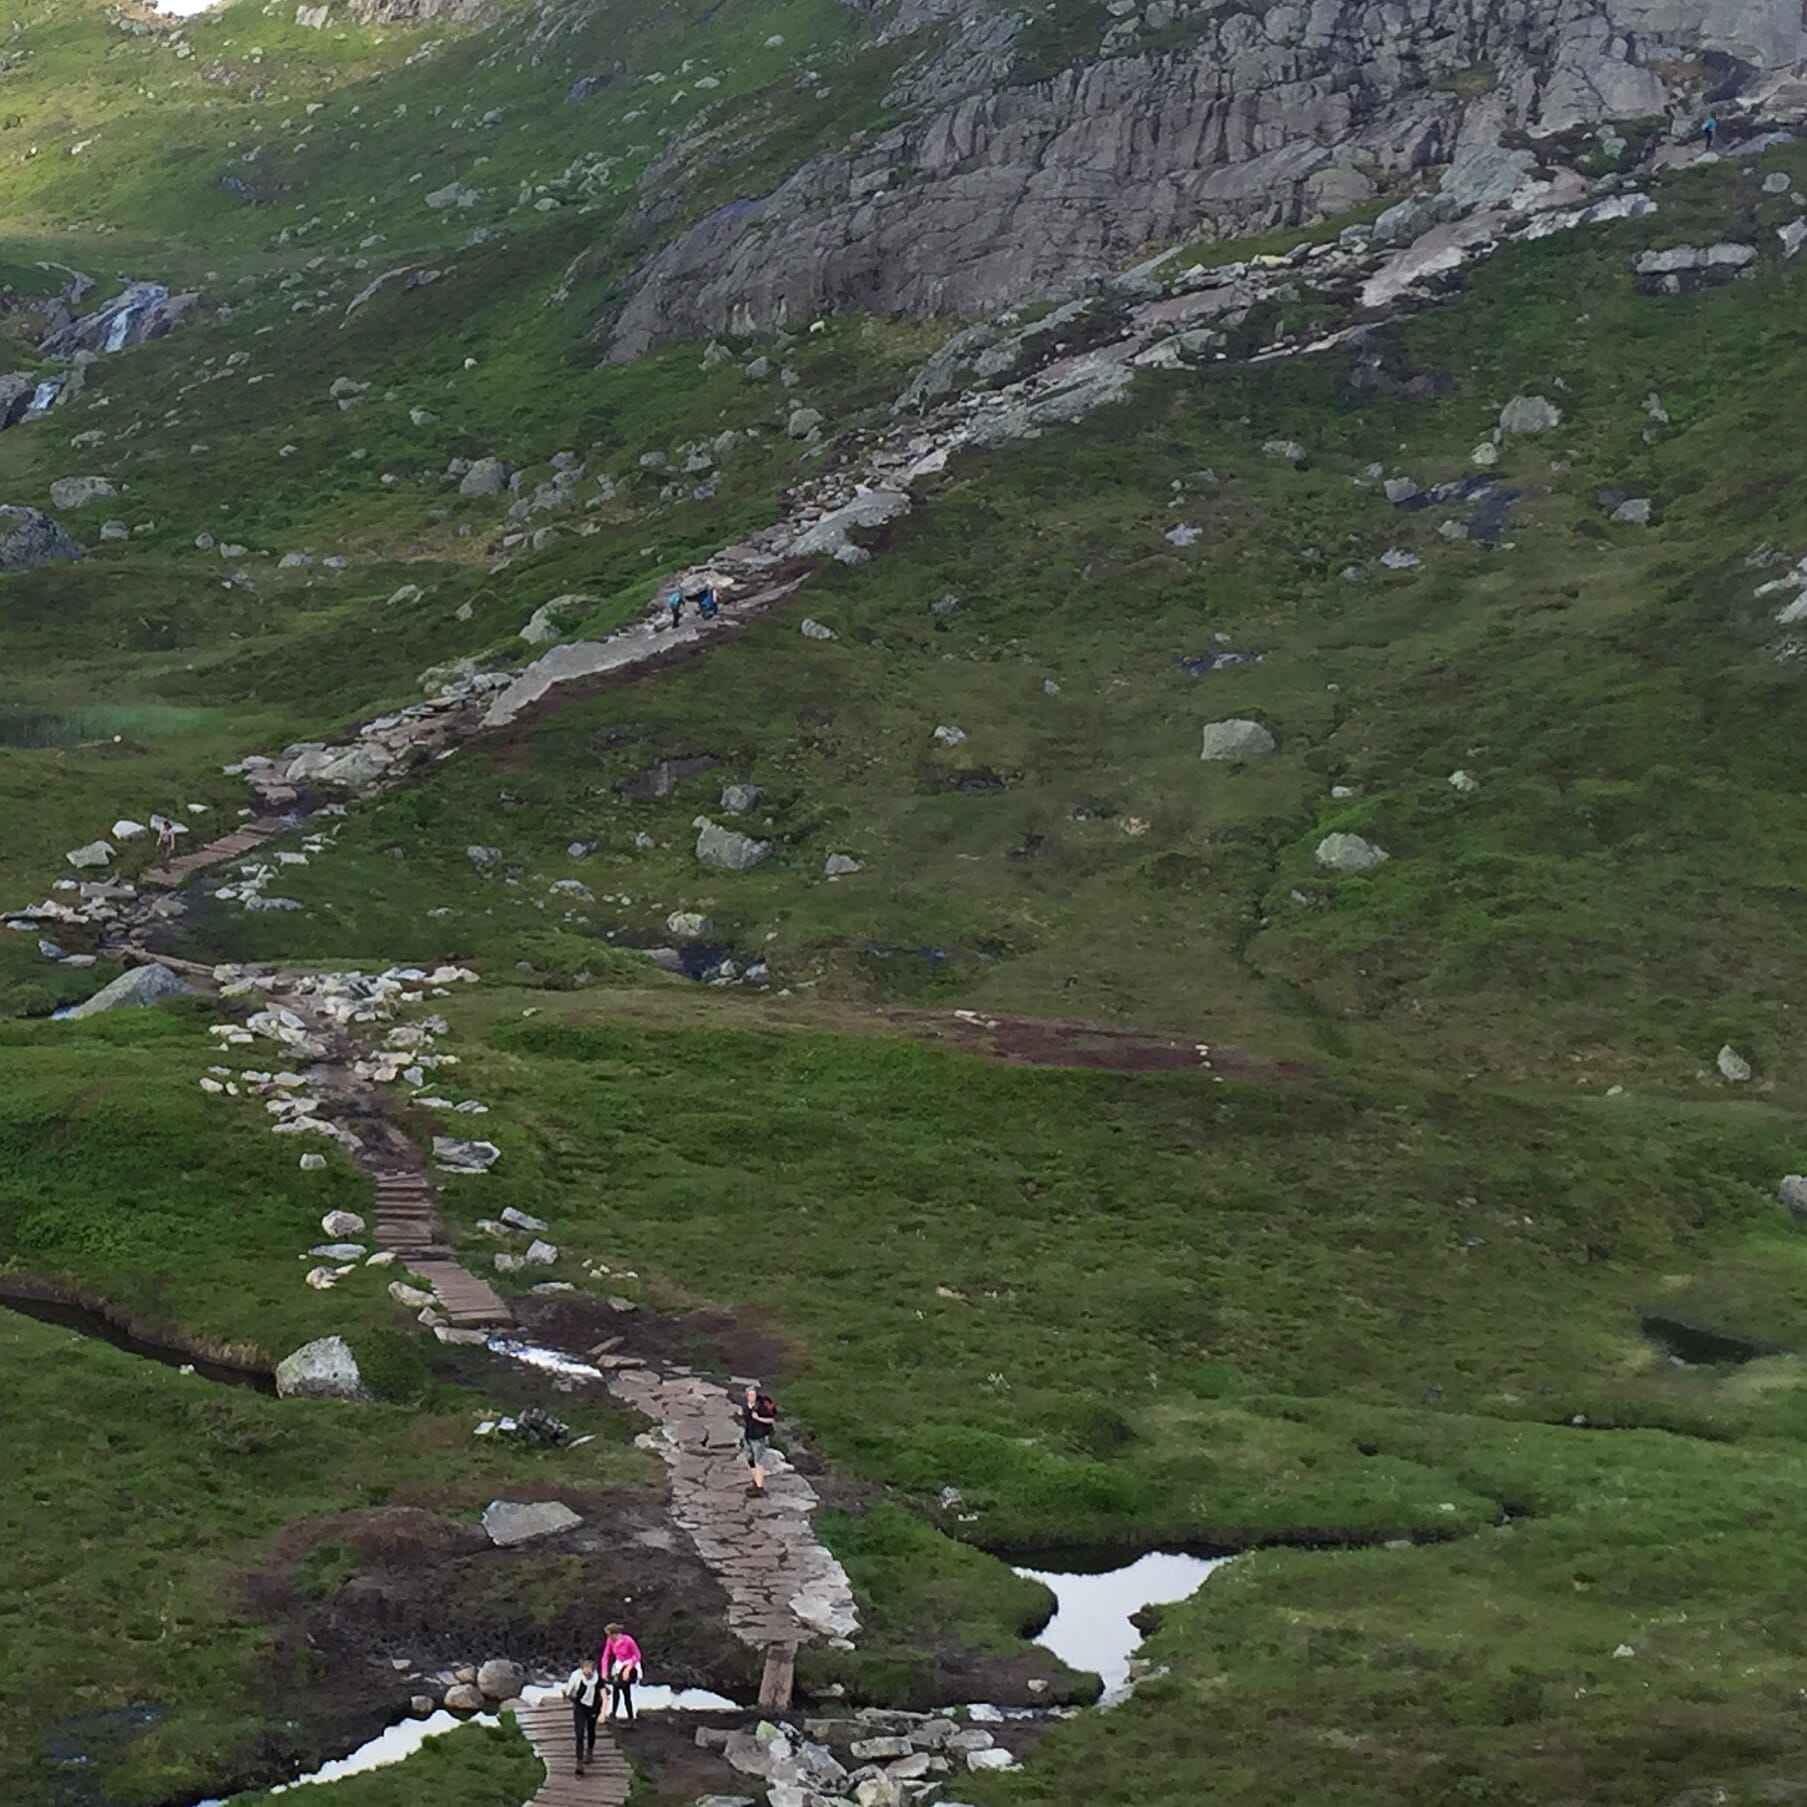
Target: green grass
{"x":1366,"y":1304}
{"x":475,"y":1766}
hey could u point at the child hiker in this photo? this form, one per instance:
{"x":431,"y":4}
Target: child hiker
{"x":584,"y":1691}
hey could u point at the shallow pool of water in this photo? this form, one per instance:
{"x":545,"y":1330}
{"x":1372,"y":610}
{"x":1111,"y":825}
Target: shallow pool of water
{"x":1091,"y":1627}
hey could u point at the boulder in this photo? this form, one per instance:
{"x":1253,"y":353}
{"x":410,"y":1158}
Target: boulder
{"x":686,"y":925}
{"x":356,"y":769}
{"x":737,"y":799}
{"x":339,"y":1224}
{"x":1286,"y":451}
{"x":80,"y":492}
{"x":486,"y":477}
{"x":95,"y":853}
{"x":1793,"y":1193}
{"x":136,"y":987}
{"x":1236,"y":740}
{"x":29,"y":538}
{"x":1732,"y":1065}
{"x":322,"y":1369}
{"x":464,"y":1157}
{"x":1529,"y":414}
{"x":16,"y":391}
{"x":803,"y":422}
{"x":1348,"y":853}
{"x":518,"y":1521}
{"x":500,"y":1679}
{"x":520,"y":1220}
{"x":1634,"y":511}
{"x":840,"y":865}
{"x":542,"y":624}
{"x":814,"y":630}
{"x":463,"y":1697}
{"x":728,"y":849}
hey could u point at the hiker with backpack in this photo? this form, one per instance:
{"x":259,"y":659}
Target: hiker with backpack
{"x":758,"y":1419}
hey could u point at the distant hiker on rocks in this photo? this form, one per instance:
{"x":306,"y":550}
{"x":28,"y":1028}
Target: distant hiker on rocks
{"x":166,"y":836}
{"x":584,"y":1691}
{"x":758,"y":1419}
{"x":1709,"y":132}
{"x":675,"y":602}
{"x":621,"y":1664}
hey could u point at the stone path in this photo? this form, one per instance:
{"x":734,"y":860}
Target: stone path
{"x":171,"y":874}
{"x":784,"y":1589}
{"x":606,"y":1780}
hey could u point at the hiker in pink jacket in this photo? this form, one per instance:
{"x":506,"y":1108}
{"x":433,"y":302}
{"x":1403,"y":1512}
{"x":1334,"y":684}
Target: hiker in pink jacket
{"x":621,"y":1666}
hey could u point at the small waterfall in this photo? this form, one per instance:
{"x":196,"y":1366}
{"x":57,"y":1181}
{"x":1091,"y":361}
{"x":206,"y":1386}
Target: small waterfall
{"x":122,"y":324}
{"x":42,"y":396}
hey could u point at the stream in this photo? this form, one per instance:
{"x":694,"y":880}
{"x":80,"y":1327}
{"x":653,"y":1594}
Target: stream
{"x":66,"y":1314}
{"x":1092,"y":1627}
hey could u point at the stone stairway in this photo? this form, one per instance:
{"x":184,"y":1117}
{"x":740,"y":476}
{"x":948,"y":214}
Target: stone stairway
{"x":606,"y":1779}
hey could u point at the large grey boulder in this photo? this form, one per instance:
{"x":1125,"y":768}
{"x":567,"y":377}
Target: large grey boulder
{"x":728,"y":849}
{"x":322,"y":1369}
{"x":356,"y":769}
{"x":1529,"y":414}
{"x":542,"y":624}
{"x":501,"y":1679}
{"x":133,"y":989}
{"x":80,"y":492}
{"x":519,"y":1521}
{"x":29,"y":538}
{"x":1793,"y":1193}
{"x":1348,"y":853}
{"x":486,"y":477}
{"x":16,"y":391}
{"x":1236,"y":740}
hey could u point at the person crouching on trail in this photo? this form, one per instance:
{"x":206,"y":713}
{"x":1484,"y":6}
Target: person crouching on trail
{"x":584,"y":1691}
{"x":758,"y":1419}
{"x":621,"y":1664}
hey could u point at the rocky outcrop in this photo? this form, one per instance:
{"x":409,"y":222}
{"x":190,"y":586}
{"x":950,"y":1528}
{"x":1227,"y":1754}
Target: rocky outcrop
{"x":1002,"y":194}
{"x":29,"y":538}
{"x":421,"y":12}
{"x":145,"y":311}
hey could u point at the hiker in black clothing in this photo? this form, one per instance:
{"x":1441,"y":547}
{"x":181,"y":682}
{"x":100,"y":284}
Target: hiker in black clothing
{"x":758,"y":1419}
{"x":584,"y":1691}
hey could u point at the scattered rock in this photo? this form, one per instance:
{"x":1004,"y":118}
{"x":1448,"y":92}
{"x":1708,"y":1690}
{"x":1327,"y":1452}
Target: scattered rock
{"x":138,"y":986}
{"x":521,"y":1220}
{"x":1463,"y":781}
{"x":948,"y":736}
{"x":340,"y":1224}
{"x":737,"y":799}
{"x":1793,"y":1193}
{"x":1634,"y":511}
{"x":80,"y":492}
{"x":29,"y":538}
{"x":511,"y":1522}
{"x":1732,"y":1065}
{"x":803,"y":422}
{"x":1529,"y":414}
{"x":464,"y":1697}
{"x":96,"y":853}
{"x":1286,"y":451}
{"x":814,"y":630}
{"x":1348,"y":853}
{"x":728,"y":849}
{"x":501,"y":1679}
{"x":1236,"y":740}
{"x":486,"y":477}
{"x":840,"y":865}
{"x":323,"y":1369}
{"x":686,"y":925}
{"x":1400,"y":489}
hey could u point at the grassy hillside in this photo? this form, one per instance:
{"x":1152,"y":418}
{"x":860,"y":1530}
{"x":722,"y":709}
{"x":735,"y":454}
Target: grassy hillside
{"x":1393,"y":1281}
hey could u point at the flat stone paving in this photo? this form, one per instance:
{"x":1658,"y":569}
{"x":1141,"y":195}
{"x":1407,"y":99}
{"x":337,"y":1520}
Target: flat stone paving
{"x":783,"y":1587}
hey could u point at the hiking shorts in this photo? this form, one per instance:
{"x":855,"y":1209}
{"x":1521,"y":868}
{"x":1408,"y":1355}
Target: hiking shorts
{"x":759,"y":1450}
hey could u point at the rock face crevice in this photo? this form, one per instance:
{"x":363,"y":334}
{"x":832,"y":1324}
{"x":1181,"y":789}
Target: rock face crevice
{"x":995,"y":196}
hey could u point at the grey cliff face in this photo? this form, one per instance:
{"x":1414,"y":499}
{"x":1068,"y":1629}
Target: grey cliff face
{"x":992,"y":195}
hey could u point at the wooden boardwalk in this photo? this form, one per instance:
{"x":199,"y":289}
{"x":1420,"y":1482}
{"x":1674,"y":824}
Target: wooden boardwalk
{"x":606,"y":1779}
{"x":247,"y":837}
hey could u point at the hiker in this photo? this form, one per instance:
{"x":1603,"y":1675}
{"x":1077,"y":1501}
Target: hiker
{"x":1710,"y":131}
{"x":758,"y":1419}
{"x":621,"y":1664}
{"x":706,"y":605}
{"x":166,"y":836}
{"x":584,"y":1691}
{"x":675,"y":602}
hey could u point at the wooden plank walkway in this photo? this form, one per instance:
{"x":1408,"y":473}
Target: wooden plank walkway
{"x":606,"y":1779}
{"x":242,"y":840}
